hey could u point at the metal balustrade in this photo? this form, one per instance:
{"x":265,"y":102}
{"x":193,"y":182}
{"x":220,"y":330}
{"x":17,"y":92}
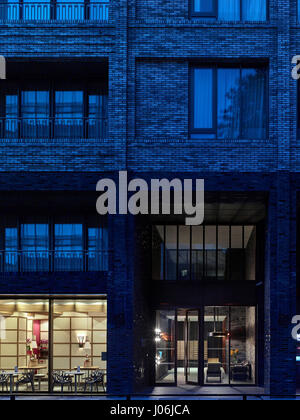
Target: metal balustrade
{"x":54,"y":11}
{"x":64,"y":128}
{"x":33,"y":261}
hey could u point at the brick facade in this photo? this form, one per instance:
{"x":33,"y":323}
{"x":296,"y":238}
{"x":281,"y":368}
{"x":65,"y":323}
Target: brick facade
{"x":149,"y":45}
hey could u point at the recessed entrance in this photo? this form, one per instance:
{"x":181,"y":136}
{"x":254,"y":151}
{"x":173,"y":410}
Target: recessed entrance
{"x":212,"y":345}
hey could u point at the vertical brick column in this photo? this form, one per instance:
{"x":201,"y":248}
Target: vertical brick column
{"x":280,"y":289}
{"x":120,"y":307}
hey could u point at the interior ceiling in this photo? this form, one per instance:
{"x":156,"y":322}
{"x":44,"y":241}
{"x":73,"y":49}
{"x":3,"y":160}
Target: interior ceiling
{"x":36,"y":309}
{"x":226,"y":208}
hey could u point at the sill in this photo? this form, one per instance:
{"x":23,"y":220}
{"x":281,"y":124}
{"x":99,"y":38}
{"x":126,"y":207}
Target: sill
{"x":194,"y":21}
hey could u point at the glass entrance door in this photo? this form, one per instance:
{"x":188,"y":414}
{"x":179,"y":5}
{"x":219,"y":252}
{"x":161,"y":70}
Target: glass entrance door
{"x":192,"y":347}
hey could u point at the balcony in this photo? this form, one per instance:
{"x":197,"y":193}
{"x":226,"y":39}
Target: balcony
{"x":51,"y":261}
{"x":54,"y":11}
{"x":53,"y":128}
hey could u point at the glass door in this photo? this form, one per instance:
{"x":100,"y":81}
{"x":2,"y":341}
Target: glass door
{"x":192,"y":347}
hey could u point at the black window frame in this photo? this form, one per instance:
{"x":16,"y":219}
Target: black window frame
{"x":214,"y":13}
{"x":214,"y":130}
{"x":204,"y":277}
{"x":87,"y":87}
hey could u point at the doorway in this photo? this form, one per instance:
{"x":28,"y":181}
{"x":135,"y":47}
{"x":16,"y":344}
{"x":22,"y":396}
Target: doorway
{"x":212,"y":345}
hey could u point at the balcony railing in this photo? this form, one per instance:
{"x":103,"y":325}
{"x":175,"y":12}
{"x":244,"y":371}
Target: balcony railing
{"x":32,"y":261}
{"x":46,"y":128}
{"x":54,"y":11}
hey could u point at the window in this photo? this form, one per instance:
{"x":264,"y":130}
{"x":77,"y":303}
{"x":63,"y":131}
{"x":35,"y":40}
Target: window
{"x":183,"y":253}
{"x":75,"y":247}
{"x":51,"y":10}
{"x":44,"y":355}
{"x":231,"y":10}
{"x":228,"y":103}
{"x":43,"y":112}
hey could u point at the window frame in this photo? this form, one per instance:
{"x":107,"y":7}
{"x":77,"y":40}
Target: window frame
{"x":215,"y":15}
{"x":214,"y":130}
{"x":87,"y":87}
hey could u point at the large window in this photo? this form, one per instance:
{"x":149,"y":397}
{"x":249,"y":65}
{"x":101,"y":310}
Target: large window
{"x":51,"y":10}
{"x":231,"y":10}
{"x":58,"y":246}
{"x":229,"y":345}
{"x":183,"y":253}
{"x":42,"y":112}
{"x":57,"y":345}
{"x":165,"y":341}
{"x":228,"y":103}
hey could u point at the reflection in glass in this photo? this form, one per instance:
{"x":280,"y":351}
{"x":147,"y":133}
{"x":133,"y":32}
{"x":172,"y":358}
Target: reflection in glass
{"x":228,"y":103}
{"x":158,"y":252}
{"x":164,"y":336}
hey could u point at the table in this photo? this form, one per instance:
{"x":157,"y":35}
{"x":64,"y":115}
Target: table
{"x":38,"y":367}
{"x":76,"y":374}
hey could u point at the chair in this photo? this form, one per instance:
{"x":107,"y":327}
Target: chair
{"x":96,"y":378}
{"x":4,"y":381}
{"x":61,"y":379}
{"x":26,"y":378}
{"x":214,"y":371}
{"x":239,"y":372}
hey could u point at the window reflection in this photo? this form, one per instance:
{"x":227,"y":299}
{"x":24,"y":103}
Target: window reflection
{"x":164,"y":336}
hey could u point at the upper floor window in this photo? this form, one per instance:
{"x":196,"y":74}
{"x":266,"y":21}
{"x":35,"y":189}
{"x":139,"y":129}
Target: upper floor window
{"x":231,"y":10}
{"x":39,"y":111}
{"x":198,"y":253}
{"x":228,"y":103}
{"x":54,"y":10}
{"x":55,"y":246}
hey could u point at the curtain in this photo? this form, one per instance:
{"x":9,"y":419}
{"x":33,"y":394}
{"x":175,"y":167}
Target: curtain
{"x":66,"y":10}
{"x":35,"y":247}
{"x":11,"y":116}
{"x":69,"y":113}
{"x":68,"y":246}
{"x":229,"y":10}
{"x":203,"y":99}
{"x":254,"y":10}
{"x":35,"y":114}
{"x":228,"y":103}
{"x":253,"y":104}
{"x":97,"y":249}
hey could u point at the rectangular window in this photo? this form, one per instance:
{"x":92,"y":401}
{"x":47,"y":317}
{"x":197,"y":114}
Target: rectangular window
{"x":165,"y":341}
{"x":53,"y":345}
{"x":183,"y":253}
{"x":51,"y":10}
{"x":40,"y":112}
{"x":231,"y":10}
{"x":229,"y":103}
{"x":31,"y":247}
{"x":229,"y":345}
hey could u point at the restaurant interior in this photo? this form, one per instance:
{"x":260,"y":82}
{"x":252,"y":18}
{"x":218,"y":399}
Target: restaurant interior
{"x":56,"y":345}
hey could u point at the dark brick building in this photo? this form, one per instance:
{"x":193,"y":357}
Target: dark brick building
{"x":177,"y":89}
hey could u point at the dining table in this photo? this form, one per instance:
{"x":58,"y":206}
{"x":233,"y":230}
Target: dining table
{"x":77,"y":375}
